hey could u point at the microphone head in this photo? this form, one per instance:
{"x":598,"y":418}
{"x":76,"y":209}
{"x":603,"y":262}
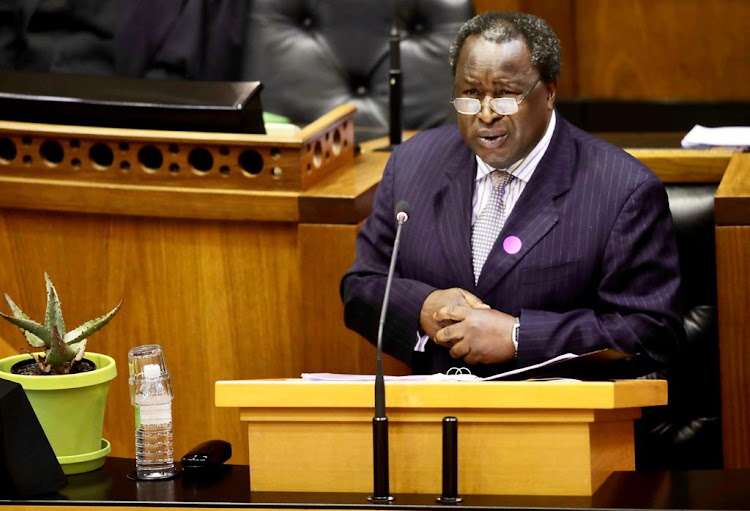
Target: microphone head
{"x":402,"y":211}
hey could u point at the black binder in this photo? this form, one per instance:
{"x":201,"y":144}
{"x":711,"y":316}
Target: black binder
{"x":28,"y":465}
{"x":141,"y":103}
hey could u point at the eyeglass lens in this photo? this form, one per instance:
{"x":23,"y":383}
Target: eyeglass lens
{"x":472,"y":106}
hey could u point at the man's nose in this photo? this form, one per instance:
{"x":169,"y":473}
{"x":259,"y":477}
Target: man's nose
{"x":487,"y":114}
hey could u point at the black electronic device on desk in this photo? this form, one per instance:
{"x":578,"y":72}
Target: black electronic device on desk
{"x":140,"y":103}
{"x":209,"y":455}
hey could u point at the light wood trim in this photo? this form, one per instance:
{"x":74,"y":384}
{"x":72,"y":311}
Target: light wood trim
{"x":732,"y":205}
{"x":319,"y":125}
{"x":685,"y":165}
{"x":144,"y":135}
{"x":481,"y":395}
{"x":435,"y":415}
{"x":148,"y":201}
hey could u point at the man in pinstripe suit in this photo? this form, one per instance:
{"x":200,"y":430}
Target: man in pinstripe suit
{"x":585,"y":258}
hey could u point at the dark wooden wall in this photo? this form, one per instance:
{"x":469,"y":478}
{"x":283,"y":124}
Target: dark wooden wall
{"x":647,"y":49}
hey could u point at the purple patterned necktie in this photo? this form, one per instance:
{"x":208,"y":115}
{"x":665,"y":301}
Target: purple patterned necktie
{"x":490,"y":221}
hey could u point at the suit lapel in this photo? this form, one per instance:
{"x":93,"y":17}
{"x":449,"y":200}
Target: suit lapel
{"x":535,"y":213}
{"x":453,"y":214}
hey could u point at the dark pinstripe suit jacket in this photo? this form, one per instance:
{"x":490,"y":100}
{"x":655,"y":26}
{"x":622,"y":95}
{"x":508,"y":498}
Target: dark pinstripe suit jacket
{"x":598,"y":265}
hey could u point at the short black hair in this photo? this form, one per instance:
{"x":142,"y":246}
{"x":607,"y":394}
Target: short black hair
{"x":501,"y":27}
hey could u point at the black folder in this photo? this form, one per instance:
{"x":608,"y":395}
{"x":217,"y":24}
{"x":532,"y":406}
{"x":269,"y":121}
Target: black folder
{"x":147,"y":103}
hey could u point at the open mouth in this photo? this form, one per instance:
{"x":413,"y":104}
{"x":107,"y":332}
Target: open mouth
{"x":491,"y":141}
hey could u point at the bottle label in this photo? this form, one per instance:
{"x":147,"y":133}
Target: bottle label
{"x":153,"y":414}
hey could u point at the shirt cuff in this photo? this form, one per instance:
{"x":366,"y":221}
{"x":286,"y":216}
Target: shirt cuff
{"x":421,"y":342}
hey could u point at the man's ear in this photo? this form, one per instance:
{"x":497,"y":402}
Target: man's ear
{"x":551,"y":94}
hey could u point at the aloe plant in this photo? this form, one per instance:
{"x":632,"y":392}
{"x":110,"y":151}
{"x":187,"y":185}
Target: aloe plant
{"x":61,"y":348}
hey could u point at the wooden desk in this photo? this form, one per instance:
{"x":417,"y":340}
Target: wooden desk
{"x":110,"y":489}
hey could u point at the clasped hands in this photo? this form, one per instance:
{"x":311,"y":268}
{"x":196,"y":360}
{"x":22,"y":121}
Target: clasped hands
{"x":458,"y":320}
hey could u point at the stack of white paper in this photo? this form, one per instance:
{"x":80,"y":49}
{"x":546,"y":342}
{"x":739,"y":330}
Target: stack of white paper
{"x":730,"y":137}
{"x":455,"y":374}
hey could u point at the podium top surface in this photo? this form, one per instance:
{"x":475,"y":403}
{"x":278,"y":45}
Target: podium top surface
{"x":297,"y":393}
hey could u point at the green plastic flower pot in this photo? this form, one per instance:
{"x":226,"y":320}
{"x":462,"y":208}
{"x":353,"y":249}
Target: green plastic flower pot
{"x":70,"y":408}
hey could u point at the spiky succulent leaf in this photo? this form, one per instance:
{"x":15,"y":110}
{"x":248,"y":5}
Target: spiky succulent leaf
{"x":32,"y":339}
{"x":79,"y":348}
{"x":29,"y":325}
{"x":90,"y":327}
{"x":53,"y":317}
{"x":59,"y":353}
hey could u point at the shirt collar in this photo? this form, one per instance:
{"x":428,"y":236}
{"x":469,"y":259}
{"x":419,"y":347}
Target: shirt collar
{"x":523,"y":169}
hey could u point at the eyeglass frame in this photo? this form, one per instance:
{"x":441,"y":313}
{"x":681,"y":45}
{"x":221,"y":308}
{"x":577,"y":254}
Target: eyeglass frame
{"x":516,"y":102}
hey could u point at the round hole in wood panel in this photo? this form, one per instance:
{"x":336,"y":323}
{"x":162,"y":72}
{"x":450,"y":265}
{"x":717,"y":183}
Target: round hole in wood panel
{"x":8,"y":150}
{"x":52,"y":152}
{"x":150,"y":157}
{"x":101,"y":155}
{"x":318,"y":155}
{"x":336,"y":144}
{"x":200,"y":159}
{"x":251,"y":162}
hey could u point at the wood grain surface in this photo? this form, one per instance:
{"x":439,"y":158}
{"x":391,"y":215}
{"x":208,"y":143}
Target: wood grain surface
{"x":645,"y":50}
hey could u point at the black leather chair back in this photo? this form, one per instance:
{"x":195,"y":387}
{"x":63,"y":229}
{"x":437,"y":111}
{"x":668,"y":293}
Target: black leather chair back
{"x":686,"y":434}
{"x":315,"y":55}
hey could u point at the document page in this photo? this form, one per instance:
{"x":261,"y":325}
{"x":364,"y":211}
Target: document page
{"x":562,"y":366}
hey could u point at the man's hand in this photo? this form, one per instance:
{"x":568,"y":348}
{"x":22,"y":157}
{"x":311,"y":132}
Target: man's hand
{"x":476,"y":335}
{"x":443,"y":298}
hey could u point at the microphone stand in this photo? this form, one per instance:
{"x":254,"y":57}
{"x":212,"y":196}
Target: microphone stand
{"x":381,"y":492}
{"x":396,"y":94}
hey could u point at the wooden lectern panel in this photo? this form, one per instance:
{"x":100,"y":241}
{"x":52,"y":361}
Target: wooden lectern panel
{"x":733,"y":282}
{"x":515,"y":438}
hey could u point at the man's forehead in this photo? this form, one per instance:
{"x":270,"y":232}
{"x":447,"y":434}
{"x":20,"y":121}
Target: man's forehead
{"x":509,"y":60}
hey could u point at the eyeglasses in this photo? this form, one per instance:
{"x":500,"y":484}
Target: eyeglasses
{"x":506,"y":105}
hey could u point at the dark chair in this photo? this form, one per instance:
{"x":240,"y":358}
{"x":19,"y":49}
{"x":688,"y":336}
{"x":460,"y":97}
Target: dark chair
{"x":686,"y":434}
{"x":313,"y":56}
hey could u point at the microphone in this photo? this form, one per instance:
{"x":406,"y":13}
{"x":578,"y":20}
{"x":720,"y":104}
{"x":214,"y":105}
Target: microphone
{"x":381,"y":491}
{"x":395,"y":89}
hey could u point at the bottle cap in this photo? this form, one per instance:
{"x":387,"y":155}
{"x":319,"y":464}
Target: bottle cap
{"x":151,"y":371}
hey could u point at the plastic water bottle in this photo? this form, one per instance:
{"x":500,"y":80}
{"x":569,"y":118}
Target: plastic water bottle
{"x":151,"y":393}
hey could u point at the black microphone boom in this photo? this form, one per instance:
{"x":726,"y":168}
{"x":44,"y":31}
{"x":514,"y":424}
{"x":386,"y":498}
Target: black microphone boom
{"x":381,"y":491}
{"x":395,"y":99}
{"x":395,"y":86}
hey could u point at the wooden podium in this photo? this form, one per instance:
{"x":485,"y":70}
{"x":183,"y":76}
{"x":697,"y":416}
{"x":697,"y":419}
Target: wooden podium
{"x":515,"y":438}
